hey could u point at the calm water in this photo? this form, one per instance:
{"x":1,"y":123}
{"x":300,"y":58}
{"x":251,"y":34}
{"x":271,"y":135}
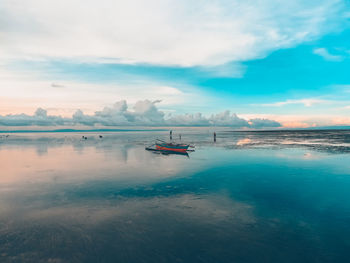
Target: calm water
{"x":250,"y":197}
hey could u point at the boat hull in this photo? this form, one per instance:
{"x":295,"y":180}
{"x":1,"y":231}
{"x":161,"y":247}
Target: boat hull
{"x":180,"y":149}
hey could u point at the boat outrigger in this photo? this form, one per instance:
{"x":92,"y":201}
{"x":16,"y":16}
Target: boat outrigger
{"x":169,"y":147}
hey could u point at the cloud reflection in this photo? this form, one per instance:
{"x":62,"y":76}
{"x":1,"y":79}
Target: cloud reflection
{"x":110,"y":200}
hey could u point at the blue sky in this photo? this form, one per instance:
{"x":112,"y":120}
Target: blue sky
{"x":287,"y":62}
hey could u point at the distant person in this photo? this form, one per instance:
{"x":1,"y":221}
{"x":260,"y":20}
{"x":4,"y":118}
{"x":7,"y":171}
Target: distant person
{"x":214,"y":136}
{"x":180,"y":136}
{"x":171,"y":134}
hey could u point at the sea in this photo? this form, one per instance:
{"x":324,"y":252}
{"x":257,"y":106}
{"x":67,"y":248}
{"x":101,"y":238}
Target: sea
{"x":99,"y":196}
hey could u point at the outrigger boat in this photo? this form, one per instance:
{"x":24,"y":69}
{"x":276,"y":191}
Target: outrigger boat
{"x":169,"y":147}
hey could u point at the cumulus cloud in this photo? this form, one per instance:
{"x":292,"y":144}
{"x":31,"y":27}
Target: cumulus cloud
{"x":227,"y":119}
{"x":40,"y":118}
{"x":143,"y":113}
{"x":263,"y":123}
{"x":169,"y":32}
{"x":196,"y":119}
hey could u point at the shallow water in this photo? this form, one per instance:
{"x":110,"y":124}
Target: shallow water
{"x":250,"y":197}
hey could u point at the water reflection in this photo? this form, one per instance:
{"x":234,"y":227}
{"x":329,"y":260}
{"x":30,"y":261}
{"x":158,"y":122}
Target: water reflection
{"x":250,"y":197}
{"x":244,"y":141}
{"x":131,"y":230}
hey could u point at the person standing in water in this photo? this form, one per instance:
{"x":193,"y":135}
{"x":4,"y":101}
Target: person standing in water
{"x":171,"y":134}
{"x":214,"y":136}
{"x":180,"y":136}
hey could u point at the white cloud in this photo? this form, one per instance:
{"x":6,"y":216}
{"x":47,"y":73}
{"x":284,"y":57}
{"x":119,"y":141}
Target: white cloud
{"x":40,"y":118}
{"x":326,"y":55}
{"x":258,"y":123}
{"x":21,"y":91}
{"x":144,"y":113}
{"x":227,"y":119}
{"x":306,"y":102}
{"x":198,"y":119}
{"x":166,"y":90}
{"x":169,"y":32}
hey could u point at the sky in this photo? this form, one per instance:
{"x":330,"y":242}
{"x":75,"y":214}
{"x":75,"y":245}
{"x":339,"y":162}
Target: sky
{"x":242,"y":64}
